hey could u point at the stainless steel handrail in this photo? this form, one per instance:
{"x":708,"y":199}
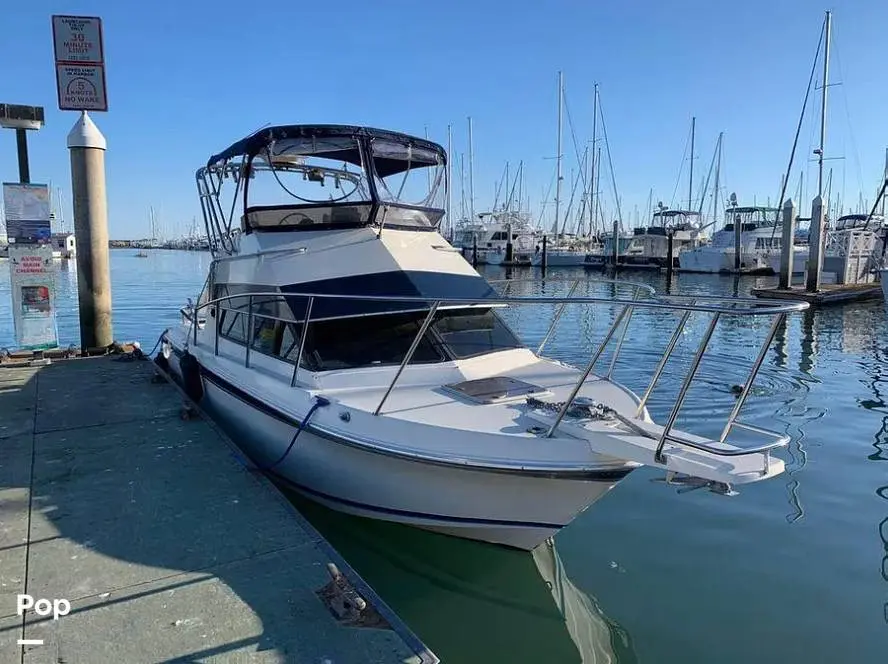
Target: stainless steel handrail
{"x":765,"y":307}
{"x":733,"y":307}
{"x":557,"y":317}
{"x":662,"y":363}
{"x":409,"y":355}
{"x":685,"y":386}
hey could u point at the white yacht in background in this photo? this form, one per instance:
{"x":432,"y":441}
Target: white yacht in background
{"x":356,"y":356}
{"x":489,"y":236}
{"x":760,"y":240}
{"x":567,"y":251}
{"x":649,"y":247}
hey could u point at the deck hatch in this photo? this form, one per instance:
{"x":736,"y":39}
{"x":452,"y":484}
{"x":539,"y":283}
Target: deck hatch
{"x":495,"y":389}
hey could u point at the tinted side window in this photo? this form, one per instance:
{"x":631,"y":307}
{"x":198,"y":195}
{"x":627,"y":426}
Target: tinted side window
{"x":469,"y":332}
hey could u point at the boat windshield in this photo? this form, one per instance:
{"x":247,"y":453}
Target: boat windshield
{"x":316,"y":177}
{"x":750,"y":218}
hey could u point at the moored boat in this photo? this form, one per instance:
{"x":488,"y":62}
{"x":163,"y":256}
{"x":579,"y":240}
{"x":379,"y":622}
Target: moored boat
{"x":357,"y":356}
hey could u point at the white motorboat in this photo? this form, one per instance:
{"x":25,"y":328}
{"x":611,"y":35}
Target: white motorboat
{"x":355,"y":355}
{"x":649,"y":247}
{"x":760,"y":240}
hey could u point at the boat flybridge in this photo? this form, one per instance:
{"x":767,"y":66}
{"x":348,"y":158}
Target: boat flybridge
{"x":356,"y":356}
{"x":750,"y":236}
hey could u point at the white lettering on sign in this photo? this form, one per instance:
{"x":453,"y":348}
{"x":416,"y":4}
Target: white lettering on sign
{"x":43,"y":607}
{"x":81,"y":87}
{"x":78,"y":39}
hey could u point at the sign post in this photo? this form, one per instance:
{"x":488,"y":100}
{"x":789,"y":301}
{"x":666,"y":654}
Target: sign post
{"x":80,"y":77}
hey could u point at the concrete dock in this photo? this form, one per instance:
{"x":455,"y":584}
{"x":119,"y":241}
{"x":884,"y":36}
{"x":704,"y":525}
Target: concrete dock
{"x":168,"y":548}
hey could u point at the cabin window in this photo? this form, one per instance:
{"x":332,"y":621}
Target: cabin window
{"x":349,"y":343}
{"x":469,"y":332}
{"x":356,"y":341}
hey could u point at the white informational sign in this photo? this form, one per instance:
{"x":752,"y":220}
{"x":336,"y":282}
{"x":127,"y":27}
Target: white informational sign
{"x":78,"y":39}
{"x":81,"y":87}
{"x":33,"y":279}
{"x":27,"y":212}
{"x":80,"y":63}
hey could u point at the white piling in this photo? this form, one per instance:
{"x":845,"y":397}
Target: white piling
{"x":815,"y":246}
{"x":786,"y":250}
{"x":87,"y":146}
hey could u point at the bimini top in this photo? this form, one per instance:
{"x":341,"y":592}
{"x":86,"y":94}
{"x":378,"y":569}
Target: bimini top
{"x":325,"y":144}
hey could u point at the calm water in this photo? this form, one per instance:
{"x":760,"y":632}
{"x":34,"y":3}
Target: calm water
{"x":792,"y":570}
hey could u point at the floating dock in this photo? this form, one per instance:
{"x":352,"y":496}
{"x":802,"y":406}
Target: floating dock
{"x":165,"y":543}
{"x":828,"y":293}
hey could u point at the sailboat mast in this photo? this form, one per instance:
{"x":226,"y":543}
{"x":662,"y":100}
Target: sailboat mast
{"x":471,"y":173}
{"x":558,"y":153}
{"x":449,"y":176}
{"x":885,"y":177}
{"x":691,"y":174}
{"x":462,"y":186}
{"x":592,"y":172}
{"x":823,"y":103}
{"x":718,"y":163}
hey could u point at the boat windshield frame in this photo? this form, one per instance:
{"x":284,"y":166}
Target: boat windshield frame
{"x":375,"y":196}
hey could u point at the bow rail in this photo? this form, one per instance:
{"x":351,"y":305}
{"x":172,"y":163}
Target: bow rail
{"x":643,"y":297}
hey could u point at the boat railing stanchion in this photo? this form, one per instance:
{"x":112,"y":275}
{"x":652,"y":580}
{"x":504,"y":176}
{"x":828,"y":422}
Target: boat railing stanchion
{"x":763,"y":351}
{"x":665,"y":358}
{"x":410,"y":351}
{"x":557,"y":317}
{"x":685,"y":386}
{"x":579,"y":384}
{"x":217,"y":318}
{"x":613,"y":364}
{"x":302,"y":339}
{"x":249,"y":331}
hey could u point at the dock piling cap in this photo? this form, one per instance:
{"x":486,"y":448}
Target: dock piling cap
{"x":85,"y":134}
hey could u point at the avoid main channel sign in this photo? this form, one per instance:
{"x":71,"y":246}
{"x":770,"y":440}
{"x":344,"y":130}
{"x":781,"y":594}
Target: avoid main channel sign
{"x":80,"y":63}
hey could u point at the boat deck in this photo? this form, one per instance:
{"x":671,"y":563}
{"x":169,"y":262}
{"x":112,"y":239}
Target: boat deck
{"x":168,"y":547}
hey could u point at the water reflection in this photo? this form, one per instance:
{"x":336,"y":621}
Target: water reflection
{"x":505,"y":605}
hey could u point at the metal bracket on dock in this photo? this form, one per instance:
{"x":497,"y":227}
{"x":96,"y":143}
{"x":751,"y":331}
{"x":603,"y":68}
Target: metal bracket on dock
{"x":346,"y":605}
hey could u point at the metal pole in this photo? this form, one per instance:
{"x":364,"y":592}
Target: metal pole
{"x":302,"y":340}
{"x":591,"y":365}
{"x":249,"y":331}
{"x":685,"y":386}
{"x":778,"y":320}
{"x":557,"y":315}
{"x":450,"y":182}
{"x":87,"y":147}
{"x":662,"y":364}
{"x":410,"y":351}
{"x":592,"y":172}
{"x":21,"y":144}
{"x":558,"y":153}
{"x":471,"y":173}
{"x":823,"y":103}
{"x":691,"y":175}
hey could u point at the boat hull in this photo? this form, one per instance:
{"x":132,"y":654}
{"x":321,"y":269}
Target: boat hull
{"x":508,"y":508}
{"x":706,"y":260}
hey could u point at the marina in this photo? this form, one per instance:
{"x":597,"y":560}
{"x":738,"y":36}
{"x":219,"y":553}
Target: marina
{"x":351,"y":403}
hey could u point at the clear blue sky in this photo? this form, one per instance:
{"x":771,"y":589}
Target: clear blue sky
{"x":186,"y":78}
